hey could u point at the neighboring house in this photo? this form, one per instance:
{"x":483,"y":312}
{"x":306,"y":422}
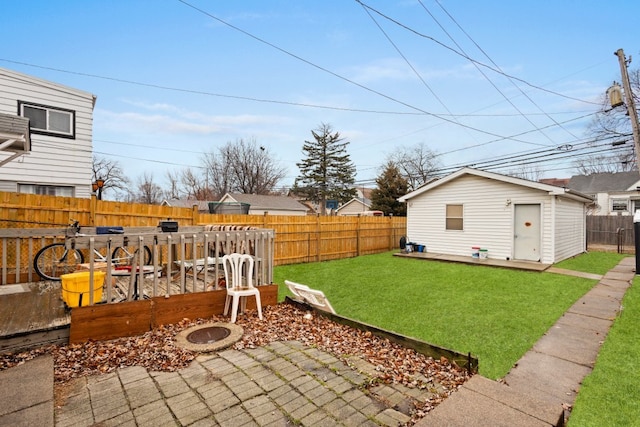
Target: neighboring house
{"x":558,"y":182}
{"x":614,"y":193}
{"x":363,"y":193}
{"x":55,"y":156}
{"x":512,"y":218}
{"x":203,"y":205}
{"x":261,"y":204}
{"x":355,"y":206}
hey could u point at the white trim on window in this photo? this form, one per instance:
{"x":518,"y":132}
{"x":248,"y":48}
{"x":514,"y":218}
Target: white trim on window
{"x":619,"y":205}
{"x":454,"y":217}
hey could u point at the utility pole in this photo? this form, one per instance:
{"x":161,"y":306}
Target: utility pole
{"x":631,"y":106}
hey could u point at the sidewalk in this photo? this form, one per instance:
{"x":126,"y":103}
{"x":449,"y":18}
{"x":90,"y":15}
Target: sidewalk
{"x":288,"y":383}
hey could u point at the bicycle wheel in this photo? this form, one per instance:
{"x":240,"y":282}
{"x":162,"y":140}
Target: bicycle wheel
{"x":124,"y":255}
{"x":54,"y":260}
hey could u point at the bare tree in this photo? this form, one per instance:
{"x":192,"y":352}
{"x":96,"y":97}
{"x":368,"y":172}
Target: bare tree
{"x":417,"y":164}
{"x":111,"y":173}
{"x":611,"y":125}
{"x":147,"y":191}
{"x":195,"y":186}
{"x":530,"y":172}
{"x":242,"y":166}
{"x":172,"y":191}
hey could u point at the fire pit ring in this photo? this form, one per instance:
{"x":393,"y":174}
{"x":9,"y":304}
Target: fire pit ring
{"x":209,"y":337}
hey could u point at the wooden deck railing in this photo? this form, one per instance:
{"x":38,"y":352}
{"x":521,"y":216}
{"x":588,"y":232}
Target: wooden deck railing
{"x":185,"y":261}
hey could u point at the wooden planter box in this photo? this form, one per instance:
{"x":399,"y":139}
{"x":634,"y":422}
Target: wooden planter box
{"x":108,"y":321}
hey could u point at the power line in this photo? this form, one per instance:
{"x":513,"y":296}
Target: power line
{"x":368,"y":89}
{"x":469,"y":58}
{"x":506,"y":98}
{"x":496,"y":65}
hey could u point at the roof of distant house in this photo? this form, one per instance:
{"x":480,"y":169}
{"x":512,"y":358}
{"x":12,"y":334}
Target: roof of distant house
{"x":260,"y":201}
{"x":559,"y":182}
{"x":203,"y":205}
{"x":604,"y":182}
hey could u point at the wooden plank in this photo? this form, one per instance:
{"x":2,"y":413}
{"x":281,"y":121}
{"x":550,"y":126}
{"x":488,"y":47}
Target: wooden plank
{"x":31,"y":340}
{"x":203,"y":304}
{"x":190,"y":306}
{"x":108,"y":321}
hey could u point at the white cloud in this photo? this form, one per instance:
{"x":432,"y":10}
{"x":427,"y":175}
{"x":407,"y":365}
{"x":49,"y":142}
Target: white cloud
{"x":167,"y":119}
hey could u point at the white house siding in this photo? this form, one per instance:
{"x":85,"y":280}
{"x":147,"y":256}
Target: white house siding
{"x":488,"y":217}
{"x":352,"y":208}
{"x":52,"y":160}
{"x":570,"y":229}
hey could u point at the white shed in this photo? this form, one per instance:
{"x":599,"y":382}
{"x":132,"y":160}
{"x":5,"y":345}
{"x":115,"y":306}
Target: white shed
{"x":512,"y":218}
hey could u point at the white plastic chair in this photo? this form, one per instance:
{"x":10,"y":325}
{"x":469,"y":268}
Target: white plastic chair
{"x":238,"y":276}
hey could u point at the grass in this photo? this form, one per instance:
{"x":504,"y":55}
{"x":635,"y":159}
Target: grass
{"x":610,"y":395}
{"x":592,"y":262}
{"x":496,"y":314}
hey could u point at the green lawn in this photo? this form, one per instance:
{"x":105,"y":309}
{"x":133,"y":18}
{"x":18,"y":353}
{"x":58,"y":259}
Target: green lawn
{"x":592,"y":262}
{"x":496,"y":314}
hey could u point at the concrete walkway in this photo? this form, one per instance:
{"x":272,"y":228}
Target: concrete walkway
{"x":546,"y":380}
{"x":288,"y":383}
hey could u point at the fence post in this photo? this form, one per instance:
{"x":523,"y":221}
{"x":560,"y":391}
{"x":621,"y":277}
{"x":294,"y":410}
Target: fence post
{"x":636,"y":233}
{"x":358,"y":226}
{"x":195,"y":215}
{"x":318,"y":227}
{"x":93,"y":204}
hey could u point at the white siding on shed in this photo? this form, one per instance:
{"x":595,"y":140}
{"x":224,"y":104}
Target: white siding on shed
{"x":570,"y":229}
{"x":488,"y":218}
{"x":489,"y":202}
{"x":52,"y":160}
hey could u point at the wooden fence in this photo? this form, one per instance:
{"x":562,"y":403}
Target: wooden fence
{"x":610,"y":230}
{"x":298,"y":239}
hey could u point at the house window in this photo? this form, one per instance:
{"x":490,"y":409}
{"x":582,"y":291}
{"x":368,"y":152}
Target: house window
{"x":619,"y":205}
{"x":46,"y":190}
{"x":48,"y":120}
{"x":454,"y":219}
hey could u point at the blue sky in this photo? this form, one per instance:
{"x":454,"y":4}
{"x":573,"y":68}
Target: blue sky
{"x":174,"y":82}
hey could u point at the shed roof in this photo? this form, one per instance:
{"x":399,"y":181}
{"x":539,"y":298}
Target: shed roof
{"x":550,"y":189}
{"x":605,"y":182}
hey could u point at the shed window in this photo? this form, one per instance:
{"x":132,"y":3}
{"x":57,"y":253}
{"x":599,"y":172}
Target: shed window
{"x":454,"y":219}
{"x":620,"y":205}
{"x":49,"y":120}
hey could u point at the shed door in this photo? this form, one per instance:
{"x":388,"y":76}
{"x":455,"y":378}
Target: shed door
{"x":526,"y":235}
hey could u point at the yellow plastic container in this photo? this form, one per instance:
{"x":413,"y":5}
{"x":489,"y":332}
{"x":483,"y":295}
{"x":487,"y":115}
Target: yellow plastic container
{"x":75,"y":288}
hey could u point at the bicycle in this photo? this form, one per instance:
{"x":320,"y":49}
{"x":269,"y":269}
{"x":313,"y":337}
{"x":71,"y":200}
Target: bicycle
{"x":54,"y":260}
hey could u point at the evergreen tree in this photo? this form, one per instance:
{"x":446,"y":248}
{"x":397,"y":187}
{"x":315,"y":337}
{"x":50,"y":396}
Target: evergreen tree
{"x":391,"y":186}
{"x":327,"y":172}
